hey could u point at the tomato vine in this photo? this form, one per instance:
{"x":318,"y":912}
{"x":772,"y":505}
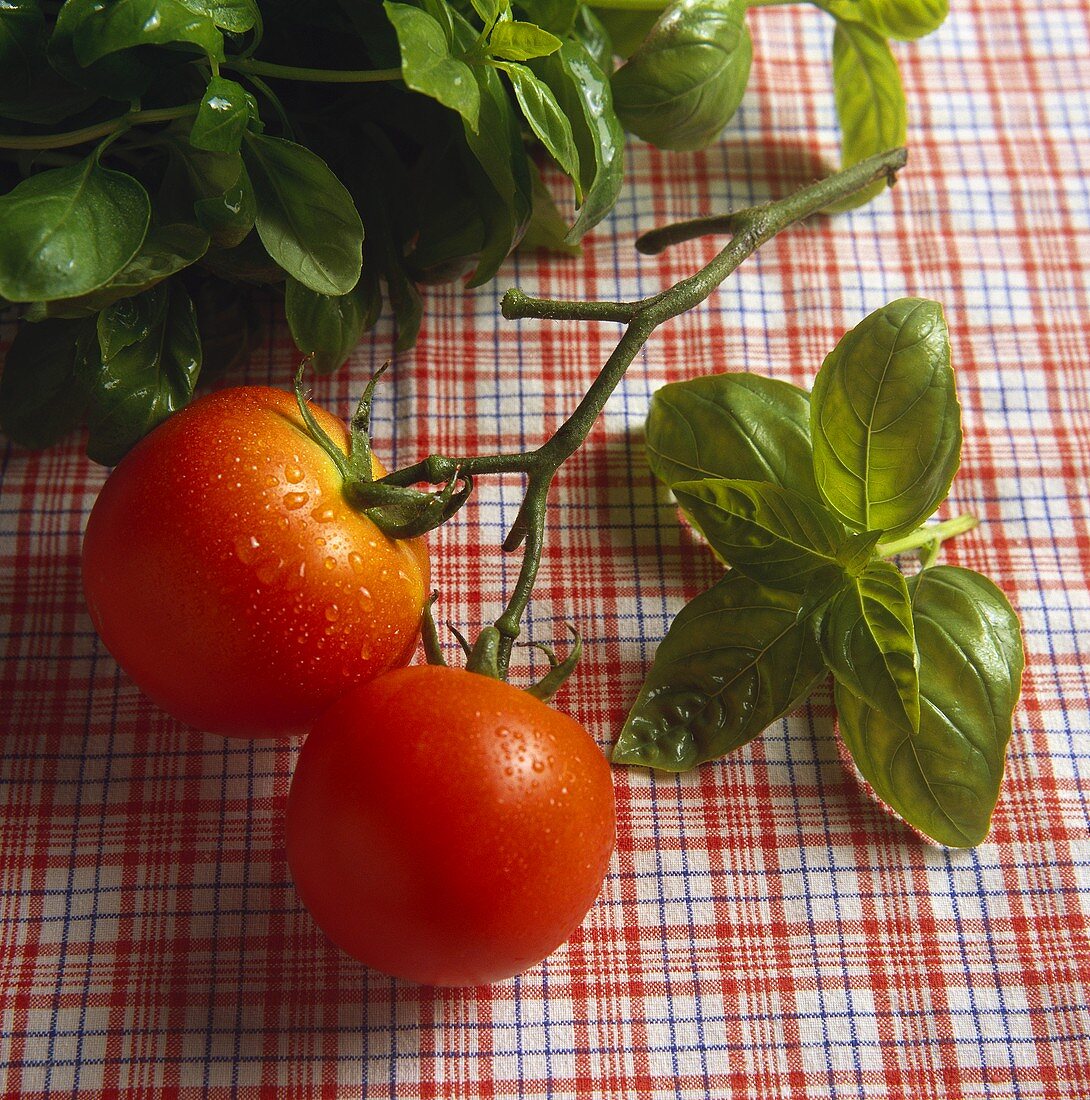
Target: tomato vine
{"x":399,"y":508}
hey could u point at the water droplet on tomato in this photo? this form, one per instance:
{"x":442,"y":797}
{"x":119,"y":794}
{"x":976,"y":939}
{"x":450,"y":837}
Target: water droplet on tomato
{"x":271,"y":482}
{"x":355,"y":559}
{"x":539,"y":765}
{"x":292,"y":501}
{"x":323,"y":515}
{"x":332,"y":612}
{"x":246,"y":548}
{"x":293,"y":473}
{"x":269,"y":569}
{"x":365,"y":651}
{"x":330,"y":563}
{"x":364,"y":598}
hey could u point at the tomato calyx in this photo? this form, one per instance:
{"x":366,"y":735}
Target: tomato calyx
{"x":485,"y":655}
{"x":399,"y":511}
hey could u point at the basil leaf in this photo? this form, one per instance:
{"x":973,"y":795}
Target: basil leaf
{"x":69,"y":230}
{"x":870,"y":644}
{"x":151,"y":359}
{"x":505,"y":191}
{"x":427,"y":65}
{"x":516,"y":41}
{"x":167,"y":249}
{"x":627,"y":30}
{"x":305,"y":217}
{"x":223,"y":117}
{"x":212,"y":187}
{"x":122,"y":76}
{"x":329,"y":327}
{"x":42,"y":389}
{"x":247,"y":262}
{"x":583,"y":93}
{"x":548,"y":122}
{"x":870,"y":102}
{"x":591,"y":33}
{"x":685,"y":81}
{"x":557,"y":16}
{"x":547,"y":229}
{"x":102,"y":27}
{"x":885,"y":421}
{"x":237,"y":16}
{"x":50,"y":99}
{"x":22,"y":46}
{"x":773,"y":535}
{"x":732,"y":425}
{"x":904,"y":19}
{"x":944,"y":779}
{"x":736,"y":659}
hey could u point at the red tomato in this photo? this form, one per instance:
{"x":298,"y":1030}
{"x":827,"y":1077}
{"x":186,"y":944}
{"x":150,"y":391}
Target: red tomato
{"x":228,"y":576}
{"x":448,"y":828}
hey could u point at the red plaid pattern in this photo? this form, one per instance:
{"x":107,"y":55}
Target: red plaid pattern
{"x":766,"y":930}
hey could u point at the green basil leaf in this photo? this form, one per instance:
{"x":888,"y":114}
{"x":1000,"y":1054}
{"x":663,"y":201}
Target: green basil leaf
{"x":626,"y":30}
{"x":428,"y":66}
{"x":69,"y":230}
{"x":870,"y":644}
{"x":50,"y":99}
{"x":547,"y":229}
{"x":237,"y":16}
{"x":223,"y":117}
{"x":305,"y":217}
{"x":167,"y":249}
{"x":127,"y":322}
{"x":885,"y":420}
{"x":328,"y":327}
{"x":557,"y":16}
{"x":904,"y":19}
{"x":212,"y":187}
{"x":583,"y":93}
{"x":548,"y":122}
{"x":590,"y":32}
{"x":773,"y":535}
{"x":944,"y":779}
{"x":406,"y":303}
{"x":503,"y":180}
{"x":22,"y":46}
{"x":246,"y":262}
{"x":143,"y":380}
{"x":228,"y":216}
{"x":102,"y":27}
{"x":732,"y":425}
{"x":516,"y":41}
{"x":42,"y":390}
{"x":685,"y":81}
{"x":870,"y":102}
{"x":735,"y":660}
{"x":123,"y":76}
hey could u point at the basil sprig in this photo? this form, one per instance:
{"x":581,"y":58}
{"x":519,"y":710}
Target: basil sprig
{"x":806,"y":498}
{"x":688,"y":68}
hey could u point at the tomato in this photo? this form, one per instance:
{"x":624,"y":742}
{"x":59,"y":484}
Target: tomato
{"x":230,"y":579}
{"x":448,"y":828}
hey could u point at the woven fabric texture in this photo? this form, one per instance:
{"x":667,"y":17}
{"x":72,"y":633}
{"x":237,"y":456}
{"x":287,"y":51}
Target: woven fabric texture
{"x":766,"y":928}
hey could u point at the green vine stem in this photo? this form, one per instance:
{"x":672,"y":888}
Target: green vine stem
{"x":931,"y":536}
{"x":750,"y":229}
{"x":314,"y":76}
{"x":96,"y":131}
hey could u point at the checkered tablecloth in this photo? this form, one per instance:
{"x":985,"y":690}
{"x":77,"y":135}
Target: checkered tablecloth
{"x":766,"y":929}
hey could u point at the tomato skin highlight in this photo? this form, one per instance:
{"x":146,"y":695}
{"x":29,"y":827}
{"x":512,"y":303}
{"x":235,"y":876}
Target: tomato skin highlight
{"x":448,"y":828}
{"x":228,"y":576}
